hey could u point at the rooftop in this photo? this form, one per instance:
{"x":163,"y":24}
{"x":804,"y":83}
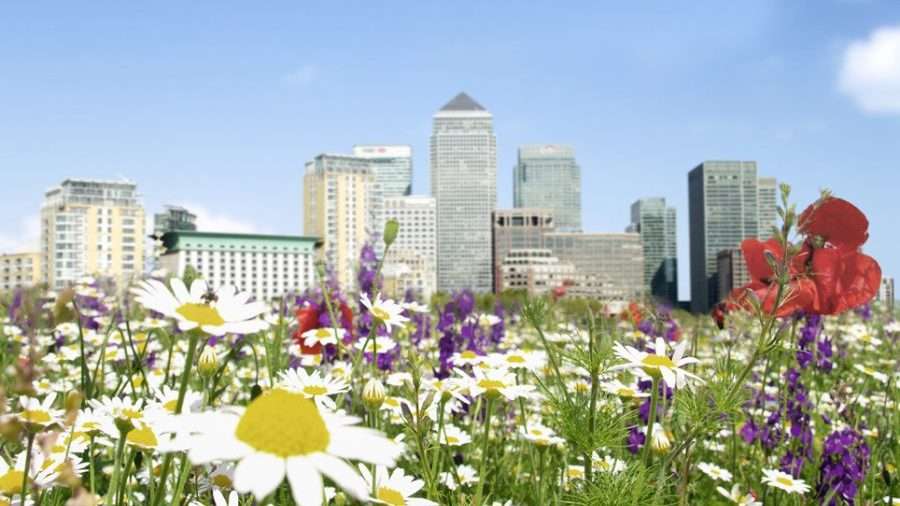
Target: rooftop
{"x":463,"y":102}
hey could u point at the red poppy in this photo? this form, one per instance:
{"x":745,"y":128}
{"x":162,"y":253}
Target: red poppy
{"x":307,"y":319}
{"x":829,"y":274}
{"x":836,"y":222}
{"x":633,"y":312}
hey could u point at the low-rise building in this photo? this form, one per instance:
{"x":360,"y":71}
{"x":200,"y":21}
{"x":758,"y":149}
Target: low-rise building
{"x":610,"y":266}
{"x":20,"y":270}
{"x":267,"y":266}
{"x":535,"y":270}
{"x":411,"y":262}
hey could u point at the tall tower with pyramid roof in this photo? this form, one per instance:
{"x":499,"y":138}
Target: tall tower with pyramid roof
{"x":464,"y":184}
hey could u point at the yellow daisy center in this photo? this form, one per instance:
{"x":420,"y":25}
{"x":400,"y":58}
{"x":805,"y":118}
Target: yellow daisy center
{"x":468,"y":354}
{"x":221,"y":481}
{"x":314,"y":390}
{"x":380,"y":314}
{"x":391,"y":496}
{"x":283,"y":423}
{"x":390,"y":401}
{"x":11,"y":482}
{"x":657,"y":361}
{"x":515,"y":359}
{"x":489,"y":384}
{"x":143,"y":437}
{"x":787,"y":482}
{"x":322,"y":333}
{"x":200,"y":314}
{"x":170,"y":405}
{"x":35,"y":416}
{"x":625,"y":392}
{"x":130,"y":413}
{"x":452,"y":440}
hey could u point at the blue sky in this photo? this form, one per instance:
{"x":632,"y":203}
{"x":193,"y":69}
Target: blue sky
{"x":218,"y":104}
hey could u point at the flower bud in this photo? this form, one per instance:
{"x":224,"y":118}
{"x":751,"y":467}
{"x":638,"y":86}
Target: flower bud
{"x":208,"y":362}
{"x":391,"y":229}
{"x":373,"y":393}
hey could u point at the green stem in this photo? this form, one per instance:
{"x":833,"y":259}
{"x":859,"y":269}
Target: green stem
{"x":27,"y":470}
{"x":489,"y":405}
{"x":651,"y":419}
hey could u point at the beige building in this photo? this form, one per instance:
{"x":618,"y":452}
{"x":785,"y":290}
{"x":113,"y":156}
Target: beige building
{"x":19,"y":270}
{"x":411,"y":263}
{"x":91,"y":228}
{"x":608,"y":266}
{"x":336,"y":208}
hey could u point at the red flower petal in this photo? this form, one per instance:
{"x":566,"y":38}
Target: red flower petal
{"x":755,"y":255}
{"x":839,"y":222}
{"x":844,"y":279}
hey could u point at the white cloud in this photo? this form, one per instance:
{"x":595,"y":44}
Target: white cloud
{"x":302,"y":76}
{"x":213,"y":221}
{"x":26,"y":238}
{"x":870,"y":73}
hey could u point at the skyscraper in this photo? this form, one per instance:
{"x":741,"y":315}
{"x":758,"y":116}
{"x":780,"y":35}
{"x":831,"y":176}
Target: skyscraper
{"x":336,"y":208}
{"x":392,"y":170}
{"x":464,"y":184}
{"x":91,"y":227}
{"x":655,"y":221}
{"x":392,"y":166}
{"x":724,"y":199}
{"x":547,"y":177}
{"x":768,"y":206}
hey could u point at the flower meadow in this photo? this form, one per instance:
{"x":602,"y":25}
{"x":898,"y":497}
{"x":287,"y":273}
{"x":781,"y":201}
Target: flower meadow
{"x":171,"y":391}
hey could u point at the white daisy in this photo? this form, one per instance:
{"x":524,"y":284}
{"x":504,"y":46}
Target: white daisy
{"x":517,"y":359}
{"x":494,"y":383}
{"x":464,"y":475}
{"x":40,"y":413}
{"x":385,"y":311}
{"x":312,"y":385}
{"x":283,"y":433}
{"x":220,"y":499}
{"x":714,"y":472}
{"x":784,"y":481}
{"x":323,"y":336}
{"x":737,"y":497}
{"x":616,"y":387}
{"x":394,"y":489}
{"x":467,"y":357}
{"x":219,"y":313}
{"x":454,"y":436}
{"x":658,"y":364}
{"x":607,"y":464}
{"x":381,"y":344}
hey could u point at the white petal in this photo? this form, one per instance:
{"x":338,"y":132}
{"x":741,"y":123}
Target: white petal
{"x":669,"y":377}
{"x":306,"y":482}
{"x":367,"y":445}
{"x":259,"y":473}
{"x":199,"y":289}
{"x":180,"y":291}
{"x":342,"y":474}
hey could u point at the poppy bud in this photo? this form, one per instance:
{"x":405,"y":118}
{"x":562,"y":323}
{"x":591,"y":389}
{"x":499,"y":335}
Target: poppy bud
{"x":391,"y":229}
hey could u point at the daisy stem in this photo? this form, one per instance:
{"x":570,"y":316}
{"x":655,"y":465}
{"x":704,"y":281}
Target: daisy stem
{"x":194,"y":336}
{"x":117,"y":469}
{"x":85,"y":374}
{"x":91,"y":459}
{"x":120,"y":493}
{"x":651,"y":419}
{"x":489,"y":405}
{"x":27,"y":468}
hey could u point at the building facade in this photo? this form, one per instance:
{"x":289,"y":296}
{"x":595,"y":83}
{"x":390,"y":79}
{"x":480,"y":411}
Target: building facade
{"x":768,"y":206}
{"x":464,"y":185}
{"x":731,"y":270}
{"x":724,"y":209}
{"x":886,"y":294}
{"x":517,"y":229}
{"x":611,"y":265}
{"x":411,"y":263}
{"x":337,"y":193}
{"x":91,"y":227}
{"x":391,"y":167}
{"x":18,"y":270}
{"x":655,"y":222}
{"x":536,"y":271}
{"x":174,"y":218}
{"x":267,"y":266}
{"x":547,"y":177}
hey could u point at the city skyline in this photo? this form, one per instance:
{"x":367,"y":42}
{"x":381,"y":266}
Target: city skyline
{"x":803,"y":119}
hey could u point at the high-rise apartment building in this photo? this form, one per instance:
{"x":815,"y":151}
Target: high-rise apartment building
{"x":91,"y":228}
{"x":768,"y":206}
{"x":266,"y":266}
{"x":19,"y":270}
{"x":174,"y":218}
{"x":392,"y":172}
{"x":655,"y":222}
{"x":464,"y":185}
{"x":611,"y":265}
{"x":411,"y":263}
{"x":547,"y":177}
{"x":520,"y":228}
{"x":724,"y":199}
{"x":336,"y":208}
